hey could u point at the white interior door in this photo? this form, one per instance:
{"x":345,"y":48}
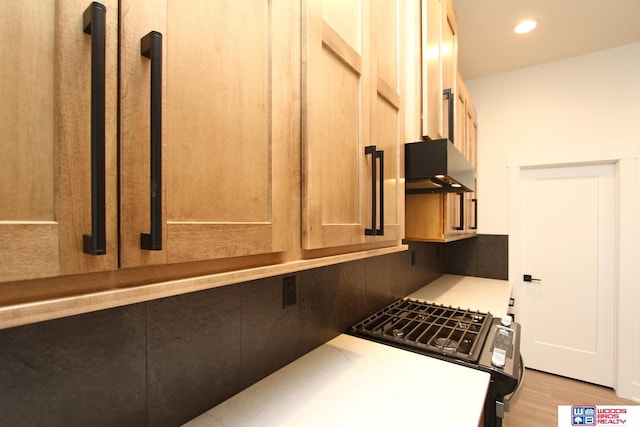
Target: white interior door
{"x":568,"y":219}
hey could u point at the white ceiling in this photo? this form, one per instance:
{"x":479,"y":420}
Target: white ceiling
{"x":566,"y":28}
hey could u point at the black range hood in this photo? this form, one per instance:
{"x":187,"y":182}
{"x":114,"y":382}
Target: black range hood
{"x":437,"y":167}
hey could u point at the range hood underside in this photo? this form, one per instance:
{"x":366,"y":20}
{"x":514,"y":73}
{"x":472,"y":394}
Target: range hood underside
{"x":437,"y":167}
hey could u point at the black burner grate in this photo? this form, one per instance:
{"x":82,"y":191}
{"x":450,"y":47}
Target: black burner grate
{"x":424,"y":327}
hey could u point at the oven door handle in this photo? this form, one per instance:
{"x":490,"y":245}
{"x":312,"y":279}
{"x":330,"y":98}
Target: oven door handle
{"x":505,"y":405}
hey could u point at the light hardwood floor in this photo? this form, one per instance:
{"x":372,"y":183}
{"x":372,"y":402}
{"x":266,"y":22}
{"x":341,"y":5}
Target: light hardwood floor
{"x":537,"y":404}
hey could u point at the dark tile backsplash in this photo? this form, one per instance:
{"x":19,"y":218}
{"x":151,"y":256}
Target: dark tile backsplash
{"x":87,"y":370}
{"x":194,"y":344}
{"x":482,"y":256}
{"x":164,"y":362}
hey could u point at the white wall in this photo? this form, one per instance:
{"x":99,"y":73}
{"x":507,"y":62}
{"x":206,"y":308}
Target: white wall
{"x":589,"y":103}
{"x":570,"y":104}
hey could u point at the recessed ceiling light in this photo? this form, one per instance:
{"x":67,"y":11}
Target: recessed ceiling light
{"x":525,"y":26}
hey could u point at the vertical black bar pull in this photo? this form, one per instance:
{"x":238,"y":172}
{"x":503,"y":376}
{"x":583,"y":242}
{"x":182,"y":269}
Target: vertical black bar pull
{"x":94,"y":24}
{"x":151,"y":47}
{"x":371,"y":149}
{"x":375,"y":155}
{"x":380,"y":155}
{"x":448,"y":95}
{"x":461,"y":227}
{"x":475,"y":214}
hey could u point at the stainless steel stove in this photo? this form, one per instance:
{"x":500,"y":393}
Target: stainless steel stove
{"x":470,"y":338}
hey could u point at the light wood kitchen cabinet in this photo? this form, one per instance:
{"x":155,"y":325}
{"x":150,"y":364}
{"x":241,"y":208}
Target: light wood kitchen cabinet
{"x":45,"y":147}
{"x":449,"y":60}
{"x":460,"y":114}
{"x":432,"y":103}
{"x":351,"y":101}
{"x":227,"y":128}
{"x":225,"y":89}
{"x":439,"y":65}
{"x":436,"y":217}
{"x":466,"y":123}
{"x":467,"y":130}
{"x":472,"y":155}
{"x":451,"y":216}
{"x":472,"y":133}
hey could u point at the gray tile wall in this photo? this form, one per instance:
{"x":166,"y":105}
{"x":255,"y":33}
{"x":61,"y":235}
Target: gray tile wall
{"x":483,"y":256}
{"x":164,"y":362}
{"x":85,"y":370}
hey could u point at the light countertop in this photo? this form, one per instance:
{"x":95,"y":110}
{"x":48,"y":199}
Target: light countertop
{"x":350,"y":381}
{"x":476,"y":293}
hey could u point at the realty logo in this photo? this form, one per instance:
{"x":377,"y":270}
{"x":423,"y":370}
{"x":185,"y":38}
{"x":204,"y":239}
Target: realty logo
{"x":583,"y":415}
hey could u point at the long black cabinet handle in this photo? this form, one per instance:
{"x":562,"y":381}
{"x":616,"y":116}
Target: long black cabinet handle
{"x":151,"y":47}
{"x":371,"y":149}
{"x":380,"y":155}
{"x":94,"y":24}
{"x":375,"y":156}
{"x":448,"y":95}
{"x":475,"y":214}
{"x":461,"y":227}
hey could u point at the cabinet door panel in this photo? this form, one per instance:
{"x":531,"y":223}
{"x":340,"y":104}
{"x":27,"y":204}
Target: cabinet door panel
{"x":218,"y":112}
{"x":461,"y":121}
{"x":449,"y":55}
{"x":27,"y":48}
{"x":336,"y":99}
{"x":339,"y":102}
{"x":449,"y":46}
{"x":227,"y":120}
{"x":45,"y":161}
{"x":28,"y":226}
{"x":425,"y":215}
{"x":432,"y":113}
{"x":455,"y":219}
{"x":351,"y":100}
{"x":385,"y":120}
{"x":385,"y":39}
{"x":472,"y":135}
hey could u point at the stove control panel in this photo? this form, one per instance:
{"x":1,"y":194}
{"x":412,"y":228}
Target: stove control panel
{"x":502,"y":346}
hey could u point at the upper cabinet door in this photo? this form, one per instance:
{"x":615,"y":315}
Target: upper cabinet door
{"x":229,"y":88}
{"x":56,"y":187}
{"x":336,"y":120}
{"x":460,"y":122}
{"x":386,"y":119}
{"x":432,"y":86}
{"x":439,"y":68}
{"x":449,"y":46}
{"x":449,"y":64}
{"x":347,"y":85}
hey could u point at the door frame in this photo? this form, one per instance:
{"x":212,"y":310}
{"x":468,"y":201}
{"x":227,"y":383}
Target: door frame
{"x":625,"y":158}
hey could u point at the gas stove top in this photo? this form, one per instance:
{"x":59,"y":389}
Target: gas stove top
{"x":428,"y":328}
{"x":466,"y":337}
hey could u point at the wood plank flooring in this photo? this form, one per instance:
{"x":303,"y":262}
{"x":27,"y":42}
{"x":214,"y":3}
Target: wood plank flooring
{"x":537,"y":404}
